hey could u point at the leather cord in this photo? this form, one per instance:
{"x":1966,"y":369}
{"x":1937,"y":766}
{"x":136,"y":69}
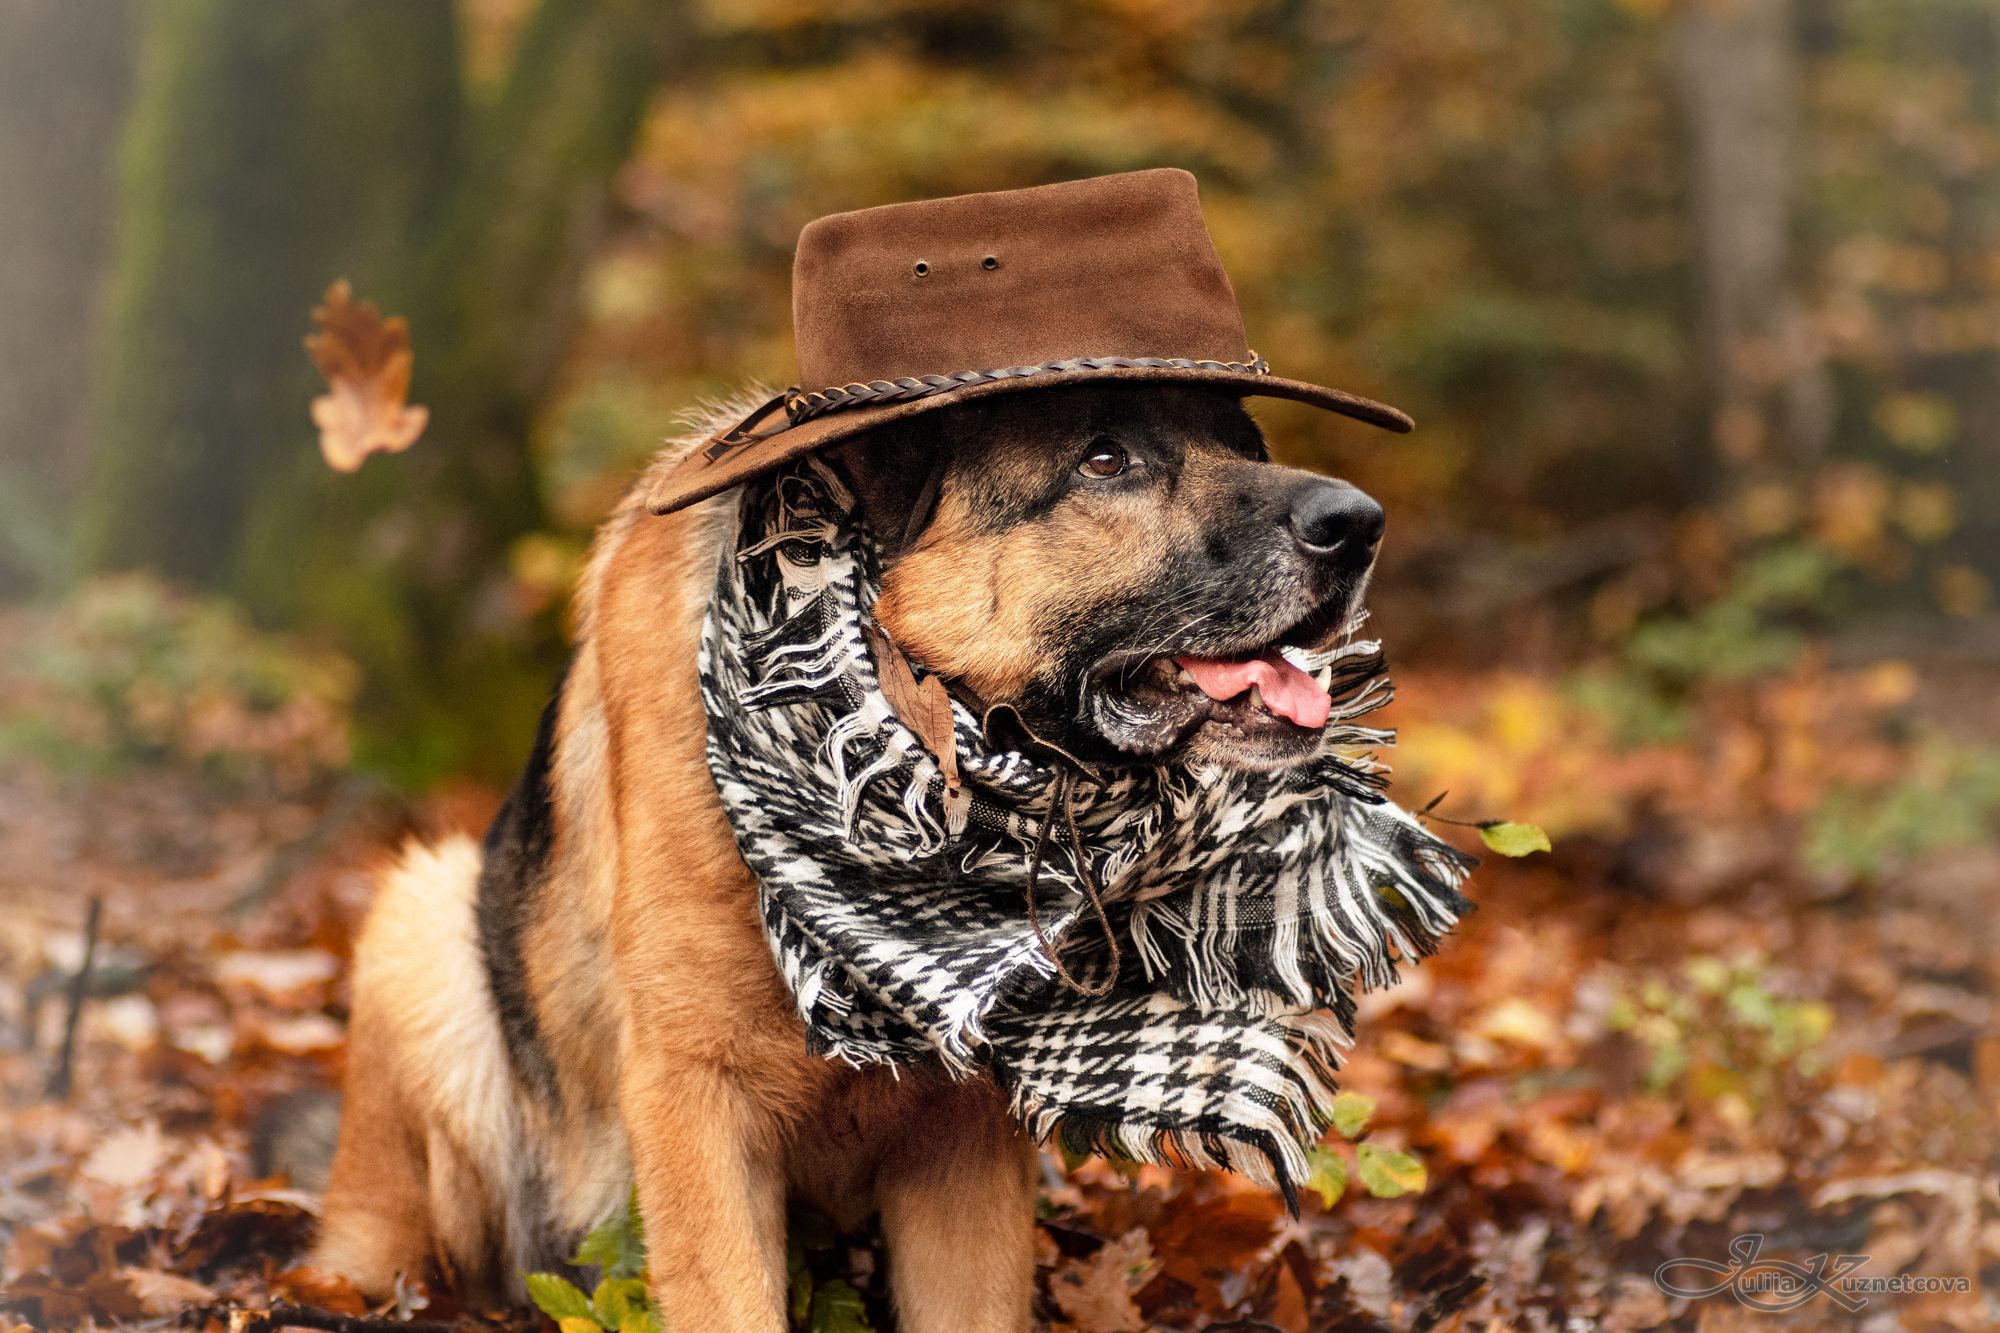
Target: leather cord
{"x":1060,"y":801}
{"x":801,"y":405}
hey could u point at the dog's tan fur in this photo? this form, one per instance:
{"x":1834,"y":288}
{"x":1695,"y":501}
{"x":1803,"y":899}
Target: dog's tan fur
{"x":700,"y":1067}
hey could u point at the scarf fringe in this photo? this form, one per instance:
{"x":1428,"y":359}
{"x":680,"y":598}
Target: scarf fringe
{"x":1375,"y":909}
{"x":1265,"y":1141}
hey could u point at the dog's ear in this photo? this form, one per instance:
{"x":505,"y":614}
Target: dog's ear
{"x":895,"y":472}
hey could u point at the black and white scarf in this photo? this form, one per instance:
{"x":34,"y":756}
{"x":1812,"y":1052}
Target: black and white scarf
{"x":1254,"y":903}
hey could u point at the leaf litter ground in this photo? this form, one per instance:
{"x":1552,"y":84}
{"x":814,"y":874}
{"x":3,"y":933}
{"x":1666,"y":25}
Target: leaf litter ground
{"x":1664,"y":1035}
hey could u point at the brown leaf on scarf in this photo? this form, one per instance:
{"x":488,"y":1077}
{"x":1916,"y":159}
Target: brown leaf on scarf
{"x":924,"y":707}
{"x":366,"y":361}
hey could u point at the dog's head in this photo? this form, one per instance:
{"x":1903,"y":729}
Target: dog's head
{"x":1120,"y":565}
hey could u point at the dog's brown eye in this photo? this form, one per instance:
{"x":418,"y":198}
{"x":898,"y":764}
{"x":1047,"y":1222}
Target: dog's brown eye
{"x":1104,"y":458}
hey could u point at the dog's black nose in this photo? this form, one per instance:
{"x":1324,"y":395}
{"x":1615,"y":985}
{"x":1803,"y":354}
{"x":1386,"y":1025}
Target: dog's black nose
{"x":1333,"y":520}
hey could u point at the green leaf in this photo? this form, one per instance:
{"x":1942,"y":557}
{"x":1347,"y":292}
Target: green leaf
{"x":1510,"y":839}
{"x":1350,"y":1113}
{"x":837,"y":1308}
{"x":559,"y":1298}
{"x":617,"y":1298}
{"x":617,"y":1247}
{"x":1708,"y":975}
{"x":1328,"y":1177}
{"x":1386,"y":1173}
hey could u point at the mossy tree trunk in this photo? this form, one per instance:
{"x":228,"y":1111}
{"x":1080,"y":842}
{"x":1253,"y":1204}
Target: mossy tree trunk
{"x":275,"y":148}
{"x":64,"y":72}
{"x":268,"y":145}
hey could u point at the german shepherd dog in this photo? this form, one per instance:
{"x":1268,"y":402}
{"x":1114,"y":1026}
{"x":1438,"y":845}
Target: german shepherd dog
{"x":587,"y":1002}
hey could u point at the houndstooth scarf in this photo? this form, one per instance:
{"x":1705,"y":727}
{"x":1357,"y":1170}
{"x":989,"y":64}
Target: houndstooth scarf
{"x":1253,"y":902}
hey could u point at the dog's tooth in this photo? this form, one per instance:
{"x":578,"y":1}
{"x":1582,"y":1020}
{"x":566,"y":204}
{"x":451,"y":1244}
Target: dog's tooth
{"x":1256,"y":697}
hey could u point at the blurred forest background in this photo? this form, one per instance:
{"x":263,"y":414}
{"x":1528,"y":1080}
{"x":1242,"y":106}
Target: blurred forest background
{"x":1692,"y":559}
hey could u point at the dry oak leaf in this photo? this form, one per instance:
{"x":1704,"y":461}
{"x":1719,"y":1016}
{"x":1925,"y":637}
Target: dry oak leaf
{"x":1095,"y":1294}
{"x":366,"y":361}
{"x":160,"y":1293}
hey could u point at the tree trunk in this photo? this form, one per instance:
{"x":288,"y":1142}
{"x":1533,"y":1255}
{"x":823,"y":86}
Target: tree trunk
{"x":1734,"y":64}
{"x":64,"y":71}
{"x":276,"y":148}
{"x":269,"y":145}
{"x":408,"y":560}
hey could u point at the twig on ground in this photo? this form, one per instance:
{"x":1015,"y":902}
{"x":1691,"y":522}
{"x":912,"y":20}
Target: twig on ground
{"x":79,"y":989}
{"x":241,"y":1320}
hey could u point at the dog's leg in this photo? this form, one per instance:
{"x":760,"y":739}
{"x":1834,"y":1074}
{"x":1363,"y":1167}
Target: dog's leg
{"x":376,"y":1219}
{"x":958,"y":1215}
{"x":712,"y":1195}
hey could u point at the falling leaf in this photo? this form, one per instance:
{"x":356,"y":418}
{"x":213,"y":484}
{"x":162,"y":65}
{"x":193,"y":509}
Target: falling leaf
{"x":1510,"y":839}
{"x":366,"y":361}
{"x":1386,"y":1172}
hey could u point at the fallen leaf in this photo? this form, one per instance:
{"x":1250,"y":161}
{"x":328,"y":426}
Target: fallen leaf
{"x":316,"y":1286}
{"x":1386,"y":1172}
{"x":302,"y":1034}
{"x":1370,"y":1283}
{"x":366,"y":361}
{"x":127,"y":1158}
{"x":1517,"y":1021}
{"x":161,"y":1293}
{"x":922,"y":706}
{"x":1351,"y":1111}
{"x":1328,"y":1176}
{"x":277,"y":973}
{"x":1415,"y":1052}
{"x":559,"y":1298}
{"x":1095,"y":1294}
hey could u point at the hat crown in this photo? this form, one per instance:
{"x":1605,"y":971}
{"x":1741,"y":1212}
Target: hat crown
{"x":1115,"y":266}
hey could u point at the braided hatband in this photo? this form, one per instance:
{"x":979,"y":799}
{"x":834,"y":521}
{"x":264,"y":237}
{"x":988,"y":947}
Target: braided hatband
{"x":801,"y":405}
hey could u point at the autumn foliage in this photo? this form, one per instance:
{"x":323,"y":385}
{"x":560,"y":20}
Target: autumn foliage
{"x":1691,"y":563}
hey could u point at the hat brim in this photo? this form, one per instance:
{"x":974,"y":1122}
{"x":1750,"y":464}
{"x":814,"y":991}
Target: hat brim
{"x":704,"y":472}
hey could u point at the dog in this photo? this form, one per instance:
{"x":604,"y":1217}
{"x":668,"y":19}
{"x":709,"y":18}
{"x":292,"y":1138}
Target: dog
{"x":588,"y":1002}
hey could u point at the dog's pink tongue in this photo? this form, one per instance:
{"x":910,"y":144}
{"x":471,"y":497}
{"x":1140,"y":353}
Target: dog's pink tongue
{"x":1287,"y":691}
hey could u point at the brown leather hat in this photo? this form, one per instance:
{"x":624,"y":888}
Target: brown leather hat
{"x":910,"y":307}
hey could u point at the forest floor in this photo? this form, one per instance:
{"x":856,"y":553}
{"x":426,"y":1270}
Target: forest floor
{"x":1739,"y":999}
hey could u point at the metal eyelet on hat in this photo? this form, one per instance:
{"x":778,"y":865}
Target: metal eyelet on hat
{"x":990,"y":263}
{"x":923,"y":268}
